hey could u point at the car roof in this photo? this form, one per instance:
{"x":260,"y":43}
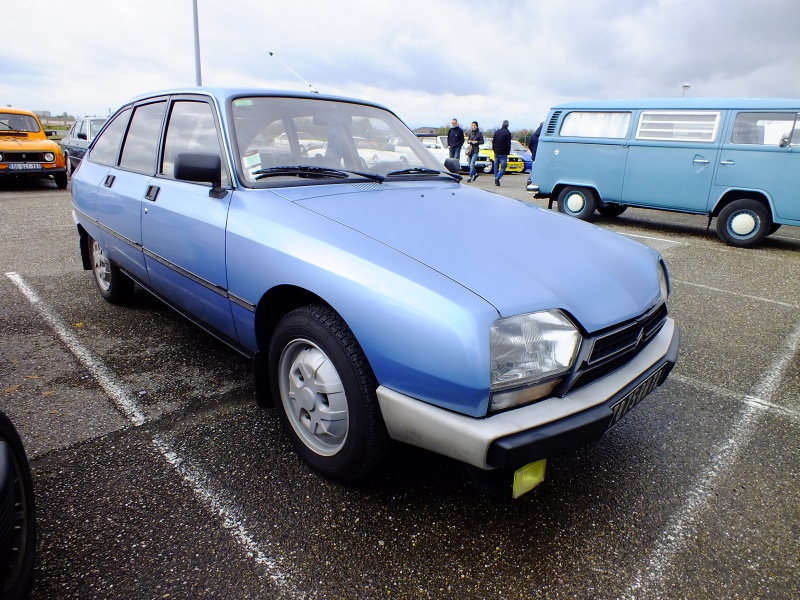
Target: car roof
{"x":18,"y":111}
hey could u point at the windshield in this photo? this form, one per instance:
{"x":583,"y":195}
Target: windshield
{"x":15,"y":122}
{"x":281,"y":139}
{"x":517,"y":146}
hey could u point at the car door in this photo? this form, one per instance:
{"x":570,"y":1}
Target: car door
{"x":671,"y":160}
{"x":183,"y":226}
{"x":758,"y":156}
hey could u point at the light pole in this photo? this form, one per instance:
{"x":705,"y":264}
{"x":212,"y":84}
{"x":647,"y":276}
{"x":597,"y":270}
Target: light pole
{"x":684,"y":87}
{"x":198,"y":78}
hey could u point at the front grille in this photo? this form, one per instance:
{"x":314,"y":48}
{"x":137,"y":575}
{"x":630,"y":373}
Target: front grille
{"x":23,"y":157}
{"x":614,"y":348}
{"x":514,"y":159}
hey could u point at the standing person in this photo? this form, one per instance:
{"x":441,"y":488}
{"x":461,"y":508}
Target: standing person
{"x":455,"y":139}
{"x":533,"y":144}
{"x":501,"y":144}
{"x":475,"y":142}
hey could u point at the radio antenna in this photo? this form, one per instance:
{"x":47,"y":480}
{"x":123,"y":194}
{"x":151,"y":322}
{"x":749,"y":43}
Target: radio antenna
{"x":313,"y":89}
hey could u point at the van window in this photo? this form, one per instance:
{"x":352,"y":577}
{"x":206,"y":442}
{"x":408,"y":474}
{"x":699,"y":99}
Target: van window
{"x":764,"y":128}
{"x":596,"y":124}
{"x":680,"y":126}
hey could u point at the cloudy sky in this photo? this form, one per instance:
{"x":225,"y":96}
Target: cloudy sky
{"x":428,"y":60}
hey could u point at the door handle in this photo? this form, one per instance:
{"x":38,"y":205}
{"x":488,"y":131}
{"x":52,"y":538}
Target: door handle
{"x":727,"y":162}
{"x":109,"y":181}
{"x":701,"y":161}
{"x":152,"y":193}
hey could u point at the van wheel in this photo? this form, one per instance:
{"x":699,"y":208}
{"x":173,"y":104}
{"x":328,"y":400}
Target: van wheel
{"x":744,"y":223}
{"x":611,"y":210}
{"x":578,"y":202}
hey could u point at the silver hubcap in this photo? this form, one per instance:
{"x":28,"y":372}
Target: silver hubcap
{"x":743,"y":224}
{"x":575,"y":202}
{"x":101,"y":267}
{"x":313,"y":397}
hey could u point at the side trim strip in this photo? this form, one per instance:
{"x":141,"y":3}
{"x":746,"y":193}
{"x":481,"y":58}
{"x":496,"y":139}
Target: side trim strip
{"x":188,"y":274}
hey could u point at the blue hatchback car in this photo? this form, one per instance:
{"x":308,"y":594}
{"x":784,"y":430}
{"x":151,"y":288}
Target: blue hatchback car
{"x":378,"y":298}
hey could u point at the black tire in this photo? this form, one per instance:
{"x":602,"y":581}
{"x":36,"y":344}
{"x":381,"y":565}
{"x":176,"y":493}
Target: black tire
{"x":18,"y":515}
{"x":578,"y":202}
{"x":611,"y":210}
{"x":113,"y":284}
{"x":61,"y":180}
{"x":489,"y":168}
{"x":343,"y":448}
{"x":744,"y":223}
{"x":68,"y":164}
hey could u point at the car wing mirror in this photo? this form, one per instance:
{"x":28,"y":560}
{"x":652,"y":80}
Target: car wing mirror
{"x":453,"y":165}
{"x":201,"y":168}
{"x":82,"y":136}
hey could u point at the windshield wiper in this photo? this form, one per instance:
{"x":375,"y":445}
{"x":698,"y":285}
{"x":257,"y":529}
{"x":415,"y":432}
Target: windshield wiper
{"x":313,"y":173}
{"x":423,"y":171}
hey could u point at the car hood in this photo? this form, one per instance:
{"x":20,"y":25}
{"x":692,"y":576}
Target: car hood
{"x":20,"y":143}
{"x":516,"y":256}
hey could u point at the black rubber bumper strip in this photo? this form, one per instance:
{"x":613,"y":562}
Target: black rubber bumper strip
{"x":569,"y":433}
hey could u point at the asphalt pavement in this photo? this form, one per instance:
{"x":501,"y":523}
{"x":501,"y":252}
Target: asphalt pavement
{"x":156,"y":476}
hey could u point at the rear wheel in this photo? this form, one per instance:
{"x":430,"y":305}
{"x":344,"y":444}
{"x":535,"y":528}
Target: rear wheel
{"x":324,"y":390}
{"x":611,"y":210}
{"x":68,"y":164}
{"x":744,"y":223}
{"x":489,"y":168}
{"x":578,"y":202}
{"x":114,"y":285}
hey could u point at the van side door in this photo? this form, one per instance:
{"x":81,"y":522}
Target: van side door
{"x":671,"y":159}
{"x":762,"y":154}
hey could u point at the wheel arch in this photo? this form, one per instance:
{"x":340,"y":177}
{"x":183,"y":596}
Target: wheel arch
{"x":562,"y":184}
{"x":83,"y":242}
{"x":734,"y":195}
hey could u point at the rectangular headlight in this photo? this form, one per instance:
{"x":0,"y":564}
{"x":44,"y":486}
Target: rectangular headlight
{"x":530,"y":349}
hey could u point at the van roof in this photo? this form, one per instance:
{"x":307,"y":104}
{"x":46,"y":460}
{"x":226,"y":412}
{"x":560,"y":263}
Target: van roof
{"x":687,"y":104}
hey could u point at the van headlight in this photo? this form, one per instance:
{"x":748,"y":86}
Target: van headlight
{"x":530,"y":354}
{"x":49,"y":157}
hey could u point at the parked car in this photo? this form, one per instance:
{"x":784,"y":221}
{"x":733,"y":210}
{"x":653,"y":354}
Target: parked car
{"x":17,"y":515}
{"x":525,"y":154}
{"x":25,"y":150}
{"x":360,"y":291}
{"x":515,"y":162}
{"x":370,"y":153}
{"x":77,"y":140}
{"x":305,"y":141}
{"x":733,"y":159}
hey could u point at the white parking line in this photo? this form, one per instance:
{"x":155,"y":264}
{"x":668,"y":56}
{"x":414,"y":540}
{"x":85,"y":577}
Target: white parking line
{"x":124,"y":403}
{"x":655,"y":239}
{"x":740,"y":295}
{"x":648,"y":581}
{"x":215,"y":502}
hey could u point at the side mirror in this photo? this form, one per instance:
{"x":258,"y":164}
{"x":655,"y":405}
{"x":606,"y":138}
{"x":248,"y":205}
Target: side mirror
{"x":453,"y":165}
{"x":201,"y":168}
{"x":82,"y":136}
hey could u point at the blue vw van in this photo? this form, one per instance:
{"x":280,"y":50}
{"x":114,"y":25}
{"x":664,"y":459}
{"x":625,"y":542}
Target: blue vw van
{"x":734,"y":159}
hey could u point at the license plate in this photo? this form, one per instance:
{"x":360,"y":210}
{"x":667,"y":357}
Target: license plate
{"x":621,"y":408}
{"x":25,"y":166}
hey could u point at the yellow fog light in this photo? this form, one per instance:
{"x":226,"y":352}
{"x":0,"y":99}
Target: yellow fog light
{"x":528,"y":477}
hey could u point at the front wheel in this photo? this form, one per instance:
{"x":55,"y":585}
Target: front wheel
{"x":324,"y":390}
{"x":114,"y":285}
{"x":68,"y":164}
{"x":489,"y":168}
{"x":578,"y":202}
{"x":61,"y":180}
{"x":744,"y":223}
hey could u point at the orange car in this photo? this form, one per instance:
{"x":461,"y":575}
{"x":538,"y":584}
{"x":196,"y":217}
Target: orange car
{"x":25,"y":150}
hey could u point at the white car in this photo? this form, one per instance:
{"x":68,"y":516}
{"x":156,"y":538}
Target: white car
{"x":370,"y":152}
{"x":306,"y":141}
{"x":437,"y":144}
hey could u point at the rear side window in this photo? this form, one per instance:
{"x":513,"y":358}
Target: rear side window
{"x":141,"y":144}
{"x":678,"y":126}
{"x":106,"y":148}
{"x":191,"y":128}
{"x":596,"y":124}
{"x":764,"y":128}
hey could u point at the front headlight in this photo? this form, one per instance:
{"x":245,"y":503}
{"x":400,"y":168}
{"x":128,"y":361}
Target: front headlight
{"x":663,"y":280}
{"x":1,"y":157}
{"x":529,"y":353}
{"x":49,"y":157}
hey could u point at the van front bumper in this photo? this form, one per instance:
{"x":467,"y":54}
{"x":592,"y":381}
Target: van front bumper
{"x":516,"y":437}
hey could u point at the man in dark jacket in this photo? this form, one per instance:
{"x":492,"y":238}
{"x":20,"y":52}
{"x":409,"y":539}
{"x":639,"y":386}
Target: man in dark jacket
{"x":532,"y":146}
{"x":455,"y":139}
{"x":501,"y":144}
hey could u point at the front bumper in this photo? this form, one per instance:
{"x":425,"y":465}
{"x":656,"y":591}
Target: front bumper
{"x":511,"y":439}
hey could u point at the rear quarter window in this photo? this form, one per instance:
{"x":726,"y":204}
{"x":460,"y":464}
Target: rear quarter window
{"x":683,"y":126}
{"x":614,"y":125}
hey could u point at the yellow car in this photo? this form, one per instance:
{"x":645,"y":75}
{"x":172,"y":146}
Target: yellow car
{"x":25,"y":150}
{"x":515,"y":162}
